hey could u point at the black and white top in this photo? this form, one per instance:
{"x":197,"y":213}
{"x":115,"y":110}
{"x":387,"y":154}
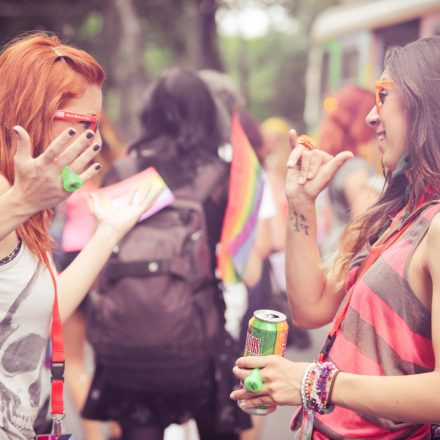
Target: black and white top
{"x":26,"y":301}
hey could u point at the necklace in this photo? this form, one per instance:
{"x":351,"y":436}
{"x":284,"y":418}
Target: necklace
{"x":12,"y":255}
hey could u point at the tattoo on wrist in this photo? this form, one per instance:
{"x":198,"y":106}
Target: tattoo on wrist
{"x":299,"y":223}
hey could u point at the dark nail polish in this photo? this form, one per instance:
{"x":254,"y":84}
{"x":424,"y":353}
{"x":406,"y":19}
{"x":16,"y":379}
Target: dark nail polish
{"x":96,"y":147}
{"x":72,"y":132}
{"x":97,"y":167}
{"x":89,"y":134}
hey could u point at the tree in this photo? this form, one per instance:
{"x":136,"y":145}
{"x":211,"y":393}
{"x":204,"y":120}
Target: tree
{"x":135,"y":40}
{"x":209,"y":56}
{"x":129,"y":73}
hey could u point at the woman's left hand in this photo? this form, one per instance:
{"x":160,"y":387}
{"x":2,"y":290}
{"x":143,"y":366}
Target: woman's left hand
{"x":123,"y":216}
{"x":281,"y":381}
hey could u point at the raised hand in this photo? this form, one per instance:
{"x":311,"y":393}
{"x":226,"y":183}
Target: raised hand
{"x":310,"y":171}
{"x":123,"y":216}
{"x":281,"y":381}
{"x":37,"y":182}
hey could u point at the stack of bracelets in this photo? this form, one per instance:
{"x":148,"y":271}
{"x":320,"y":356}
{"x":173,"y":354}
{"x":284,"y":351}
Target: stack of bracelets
{"x":317,"y":386}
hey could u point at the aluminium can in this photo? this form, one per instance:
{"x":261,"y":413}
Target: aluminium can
{"x":266,"y":335}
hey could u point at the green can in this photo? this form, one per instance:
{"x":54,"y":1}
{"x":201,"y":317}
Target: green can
{"x":266,"y":335}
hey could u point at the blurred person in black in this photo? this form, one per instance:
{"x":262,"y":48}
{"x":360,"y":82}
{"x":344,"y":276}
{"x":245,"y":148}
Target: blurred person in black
{"x":181,"y":138}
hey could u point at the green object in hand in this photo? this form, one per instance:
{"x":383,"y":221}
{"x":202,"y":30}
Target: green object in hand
{"x":71,"y":180}
{"x":254,"y":382}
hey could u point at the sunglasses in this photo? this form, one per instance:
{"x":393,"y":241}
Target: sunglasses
{"x":91,"y":122}
{"x":381,"y":93}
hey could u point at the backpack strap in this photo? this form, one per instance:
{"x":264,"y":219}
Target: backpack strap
{"x":207,"y":179}
{"x":126,"y":167}
{"x":145,"y":268}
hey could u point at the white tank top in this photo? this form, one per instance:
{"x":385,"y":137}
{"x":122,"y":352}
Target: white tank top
{"x":26,"y":301}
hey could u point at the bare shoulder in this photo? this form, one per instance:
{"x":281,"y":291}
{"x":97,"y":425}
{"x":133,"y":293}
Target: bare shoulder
{"x":424,"y":270}
{"x":433,"y":247}
{"x":434,"y":229}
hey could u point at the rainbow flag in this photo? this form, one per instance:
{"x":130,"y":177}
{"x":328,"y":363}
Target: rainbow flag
{"x":246,"y":186}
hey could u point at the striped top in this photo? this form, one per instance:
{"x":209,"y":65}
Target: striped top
{"x":383,"y":313}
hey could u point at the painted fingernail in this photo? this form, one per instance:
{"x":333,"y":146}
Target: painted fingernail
{"x":301,"y":180}
{"x":89,"y":134}
{"x":15,"y":130}
{"x":71,"y":132}
{"x":289,"y":164}
{"x":97,"y":167}
{"x":96,"y":147}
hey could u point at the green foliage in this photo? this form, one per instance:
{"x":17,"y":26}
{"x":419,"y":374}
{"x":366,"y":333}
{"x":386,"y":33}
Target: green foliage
{"x":274,"y":69}
{"x":157,"y":59}
{"x":270,"y":70}
{"x":92,"y":25}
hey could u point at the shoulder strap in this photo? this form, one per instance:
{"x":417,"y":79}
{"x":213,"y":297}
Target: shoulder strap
{"x":207,"y":179}
{"x":126,"y":167}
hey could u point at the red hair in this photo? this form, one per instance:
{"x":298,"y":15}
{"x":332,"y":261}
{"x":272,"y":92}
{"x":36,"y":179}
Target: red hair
{"x":345,"y":128}
{"x":39,"y":74}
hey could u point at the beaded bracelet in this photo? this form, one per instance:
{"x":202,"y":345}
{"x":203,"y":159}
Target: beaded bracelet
{"x":317,"y":386}
{"x":304,"y":381}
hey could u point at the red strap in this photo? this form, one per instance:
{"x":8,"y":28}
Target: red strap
{"x":374,"y":254}
{"x":57,"y":400}
{"x":57,"y":358}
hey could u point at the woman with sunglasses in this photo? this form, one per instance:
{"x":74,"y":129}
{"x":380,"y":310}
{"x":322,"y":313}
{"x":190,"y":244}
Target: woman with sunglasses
{"x":40,"y":78}
{"x":378,"y":374}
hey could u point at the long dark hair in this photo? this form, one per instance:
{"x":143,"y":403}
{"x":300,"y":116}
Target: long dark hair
{"x":415,"y":68}
{"x":179,"y":120}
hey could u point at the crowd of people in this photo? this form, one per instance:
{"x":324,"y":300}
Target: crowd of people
{"x":338,"y":241}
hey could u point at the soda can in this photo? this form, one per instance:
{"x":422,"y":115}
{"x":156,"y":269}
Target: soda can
{"x":266,"y":335}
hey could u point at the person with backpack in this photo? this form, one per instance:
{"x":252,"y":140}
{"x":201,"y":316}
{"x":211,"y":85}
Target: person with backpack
{"x":378,"y":373}
{"x":156,"y":320}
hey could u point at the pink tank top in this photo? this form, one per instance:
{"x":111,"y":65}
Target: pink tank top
{"x":383,"y":313}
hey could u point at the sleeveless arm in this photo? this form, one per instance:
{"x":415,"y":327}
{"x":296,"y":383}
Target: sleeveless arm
{"x":312,"y":293}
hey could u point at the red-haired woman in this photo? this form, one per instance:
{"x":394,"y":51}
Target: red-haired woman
{"x":50,"y":94}
{"x":357,"y":184}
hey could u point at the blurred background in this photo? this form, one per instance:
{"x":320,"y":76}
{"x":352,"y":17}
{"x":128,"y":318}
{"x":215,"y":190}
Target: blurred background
{"x":287,"y":56}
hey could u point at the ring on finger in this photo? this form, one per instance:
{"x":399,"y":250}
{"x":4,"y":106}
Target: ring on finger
{"x":71,"y":180}
{"x":254,"y":382}
{"x":307,"y":141}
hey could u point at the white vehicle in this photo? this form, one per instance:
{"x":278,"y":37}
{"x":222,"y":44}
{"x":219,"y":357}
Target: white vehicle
{"x":349,"y":43}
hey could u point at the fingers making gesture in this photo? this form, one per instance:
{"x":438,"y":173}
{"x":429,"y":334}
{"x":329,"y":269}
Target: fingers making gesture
{"x":37,"y":182}
{"x":310,"y":170}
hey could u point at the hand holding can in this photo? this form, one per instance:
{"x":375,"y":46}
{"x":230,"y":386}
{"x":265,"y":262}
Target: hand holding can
{"x":266,"y":335}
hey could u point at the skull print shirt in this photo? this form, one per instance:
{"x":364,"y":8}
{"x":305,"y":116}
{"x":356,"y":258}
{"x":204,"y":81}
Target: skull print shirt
{"x":26,"y":300}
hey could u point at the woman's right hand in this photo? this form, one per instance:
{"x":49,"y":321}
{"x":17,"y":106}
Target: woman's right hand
{"x":281,"y":381}
{"x":310,"y":171}
{"x":37,"y":181}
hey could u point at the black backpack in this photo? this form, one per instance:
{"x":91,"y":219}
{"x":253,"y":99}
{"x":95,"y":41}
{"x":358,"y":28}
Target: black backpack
{"x":157,"y":313}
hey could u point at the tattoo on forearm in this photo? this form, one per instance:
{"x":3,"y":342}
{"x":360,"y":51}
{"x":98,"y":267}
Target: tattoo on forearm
{"x":299,"y":223}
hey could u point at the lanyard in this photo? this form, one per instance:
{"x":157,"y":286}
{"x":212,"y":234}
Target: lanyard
{"x":57,"y":356}
{"x":374,"y":254}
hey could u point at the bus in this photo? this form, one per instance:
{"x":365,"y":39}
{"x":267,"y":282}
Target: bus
{"x":348,"y":44}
